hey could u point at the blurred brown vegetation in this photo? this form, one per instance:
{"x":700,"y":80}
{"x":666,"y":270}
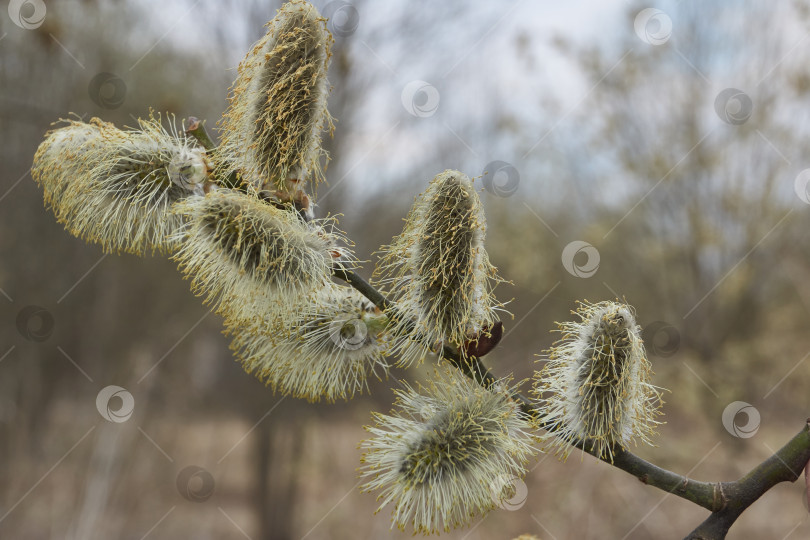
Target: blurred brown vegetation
{"x":695,"y":220}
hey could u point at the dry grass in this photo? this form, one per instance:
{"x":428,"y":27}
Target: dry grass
{"x":117,"y":481}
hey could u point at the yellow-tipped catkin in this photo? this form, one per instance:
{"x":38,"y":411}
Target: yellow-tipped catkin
{"x":60,"y":161}
{"x":251,"y":259}
{"x":116,"y":187}
{"x":271,"y":132}
{"x":438,"y":272}
{"x":447,"y":455}
{"x":595,"y":387}
{"x":328,"y":352}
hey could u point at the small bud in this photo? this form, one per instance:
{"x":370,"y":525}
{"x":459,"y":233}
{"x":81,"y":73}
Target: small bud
{"x":481,"y":344}
{"x":116,"y":187}
{"x":271,"y":132}
{"x":442,"y":457}
{"x":438,"y":272}
{"x":595,"y":387}
{"x":256,"y":260}
{"x":329,"y":351}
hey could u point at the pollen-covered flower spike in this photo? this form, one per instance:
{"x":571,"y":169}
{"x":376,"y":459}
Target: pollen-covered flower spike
{"x":116,"y":187}
{"x":447,"y":455}
{"x":271,"y":132}
{"x":595,"y":387}
{"x":252,"y":259}
{"x":438,"y":272}
{"x":335,"y":344}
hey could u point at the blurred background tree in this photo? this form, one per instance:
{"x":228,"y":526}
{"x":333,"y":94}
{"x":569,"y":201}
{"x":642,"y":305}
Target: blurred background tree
{"x":686,"y":192}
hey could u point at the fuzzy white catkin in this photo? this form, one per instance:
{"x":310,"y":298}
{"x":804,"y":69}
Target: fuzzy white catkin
{"x":115,"y":187}
{"x":271,"y":132}
{"x":438,"y":272}
{"x":329,"y":352}
{"x":595,"y":387}
{"x":446,"y":454}
{"x":253,"y":260}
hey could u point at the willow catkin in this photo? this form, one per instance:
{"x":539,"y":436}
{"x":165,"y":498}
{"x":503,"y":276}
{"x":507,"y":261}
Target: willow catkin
{"x":60,"y":161}
{"x":446,"y":455}
{"x":116,"y":187}
{"x":271,"y":132}
{"x":595,"y":387}
{"x":251,"y":259}
{"x":438,"y":272}
{"x":329,"y":352}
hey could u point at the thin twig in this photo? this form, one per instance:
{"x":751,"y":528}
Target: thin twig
{"x":726,"y":500}
{"x":196,"y":129}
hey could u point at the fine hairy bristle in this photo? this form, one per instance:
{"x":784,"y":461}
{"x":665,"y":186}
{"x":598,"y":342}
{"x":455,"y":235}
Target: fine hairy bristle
{"x":271,"y":132}
{"x":329,"y":352}
{"x":444,"y":456}
{"x":251,"y":258}
{"x":438,"y":272}
{"x":116,"y":187}
{"x":595,"y":387}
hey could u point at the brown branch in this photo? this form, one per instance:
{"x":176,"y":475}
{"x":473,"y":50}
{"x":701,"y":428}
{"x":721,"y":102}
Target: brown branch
{"x":726,"y":500}
{"x":784,"y":466}
{"x":471,"y":366}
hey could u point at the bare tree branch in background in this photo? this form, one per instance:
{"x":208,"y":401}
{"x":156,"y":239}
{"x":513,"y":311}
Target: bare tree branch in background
{"x":718,"y":259}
